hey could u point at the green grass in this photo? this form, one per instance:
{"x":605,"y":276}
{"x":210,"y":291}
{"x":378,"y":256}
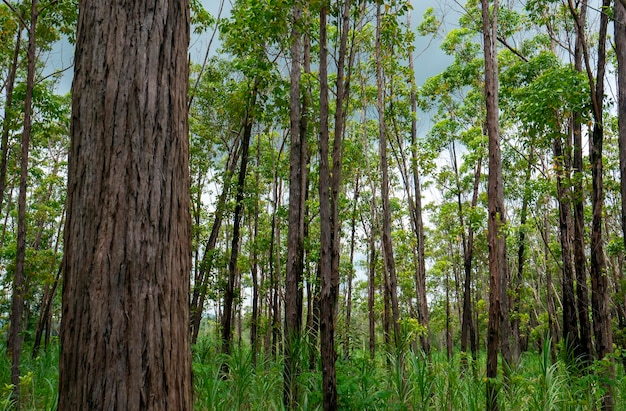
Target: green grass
{"x":383,"y":383}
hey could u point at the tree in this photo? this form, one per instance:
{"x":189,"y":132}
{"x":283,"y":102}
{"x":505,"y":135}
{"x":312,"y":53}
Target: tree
{"x":297,"y":195}
{"x":19,"y":287}
{"x":125,"y":324}
{"x":497,"y":215}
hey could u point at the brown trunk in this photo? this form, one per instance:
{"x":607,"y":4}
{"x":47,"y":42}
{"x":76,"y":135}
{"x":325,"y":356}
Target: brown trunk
{"x":420,"y":280}
{"x":371,"y":291}
{"x":295,"y":235}
{"x":384,"y":191}
{"x":328,"y":292}
{"x":125,"y":324}
{"x":570,"y":326}
{"x":468,"y":331}
{"x":8,"y":115}
{"x":497,"y":217}
{"x":521,"y":261}
{"x":599,"y":282}
{"x":580,"y":259}
{"x":19,"y":283}
{"x":229,"y":294}
{"x":201,"y":282}
{"x":449,"y":346}
{"x":355,"y":201}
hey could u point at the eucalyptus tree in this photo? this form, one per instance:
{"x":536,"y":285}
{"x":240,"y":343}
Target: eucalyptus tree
{"x":497,"y":213}
{"x":297,"y":201}
{"x":125,"y":325}
{"x":599,"y":281}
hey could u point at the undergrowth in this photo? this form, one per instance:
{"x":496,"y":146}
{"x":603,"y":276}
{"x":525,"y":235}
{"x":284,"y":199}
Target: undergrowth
{"x":406,"y":381}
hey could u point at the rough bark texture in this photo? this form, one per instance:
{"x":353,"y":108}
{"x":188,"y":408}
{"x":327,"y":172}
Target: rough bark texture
{"x":125,"y":325}
{"x":497,"y":216}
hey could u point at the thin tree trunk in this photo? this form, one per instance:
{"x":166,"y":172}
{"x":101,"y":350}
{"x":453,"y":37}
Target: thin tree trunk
{"x":468,"y":331}
{"x":521,"y":262}
{"x":599,"y":280}
{"x":355,"y":201}
{"x":570,"y":326}
{"x":19,"y":283}
{"x":497,"y":215}
{"x":580,"y":258}
{"x":295,"y":235}
{"x":8,"y":115}
{"x":201,"y":281}
{"x":328,"y":293}
{"x":229,"y":294}
{"x":420,"y":280}
{"x":254,"y":268}
{"x":384,"y":192}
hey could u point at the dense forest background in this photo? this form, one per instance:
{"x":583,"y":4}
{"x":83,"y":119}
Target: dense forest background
{"x":360,"y":240}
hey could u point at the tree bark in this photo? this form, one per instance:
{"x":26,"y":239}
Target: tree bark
{"x":125,"y":324}
{"x":497,"y":216}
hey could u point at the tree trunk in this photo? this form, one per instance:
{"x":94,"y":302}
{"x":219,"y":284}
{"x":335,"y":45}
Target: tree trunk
{"x":254,"y":269}
{"x":570,"y":326}
{"x":384,"y":191}
{"x":201,"y":285}
{"x":497,"y":216}
{"x":355,"y":202}
{"x":521,"y":261}
{"x":19,"y":286}
{"x":599,"y":280}
{"x":580,"y":258}
{"x":295,"y":235}
{"x":229,"y":294}
{"x":328,"y":292}
{"x":125,"y":324}
{"x":8,"y":115}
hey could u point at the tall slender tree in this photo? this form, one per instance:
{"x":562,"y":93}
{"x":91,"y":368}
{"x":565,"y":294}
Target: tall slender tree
{"x":496,"y":216}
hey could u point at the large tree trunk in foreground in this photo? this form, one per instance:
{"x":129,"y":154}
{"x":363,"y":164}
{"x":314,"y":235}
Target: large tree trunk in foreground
{"x":125,"y":324}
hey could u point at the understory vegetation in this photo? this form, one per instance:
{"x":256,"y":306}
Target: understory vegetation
{"x":538,"y":382}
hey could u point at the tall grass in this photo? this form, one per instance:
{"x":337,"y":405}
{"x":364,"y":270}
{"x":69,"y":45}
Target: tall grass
{"x":406,"y":381}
